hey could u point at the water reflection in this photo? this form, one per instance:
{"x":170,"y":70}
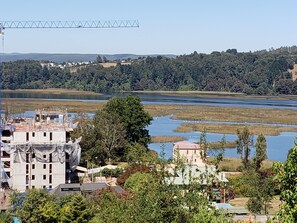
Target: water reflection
{"x":165,"y":99}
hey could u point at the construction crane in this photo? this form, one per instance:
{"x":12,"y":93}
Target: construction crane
{"x":68,"y":24}
{"x":92,"y":24}
{"x":95,"y":24}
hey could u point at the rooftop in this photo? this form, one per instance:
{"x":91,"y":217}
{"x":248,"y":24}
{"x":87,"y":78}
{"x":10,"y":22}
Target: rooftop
{"x":185,"y":145}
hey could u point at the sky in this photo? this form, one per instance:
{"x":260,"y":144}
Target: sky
{"x":166,"y":26}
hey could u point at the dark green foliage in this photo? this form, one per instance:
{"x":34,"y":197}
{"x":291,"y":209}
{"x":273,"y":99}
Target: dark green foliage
{"x":133,"y":117}
{"x":149,"y":199}
{"x":244,"y":141}
{"x":38,"y":206}
{"x":258,"y":186}
{"x":135,"y":168}
{"x":155,"y":202}
{"x":252,"y":73}
{"x":137,"y":153}
{"x":5,"y":217}
{"x":112,"y":172}
{"x":261,"y":151}
{"x":111,"y":133}
{"x":254,"y":205}
{"x":76,"y":210}
{"x":86,"y":130}
{"x":114,"y":131}
{"x":138,"y":180}
{"x":287,"y":181}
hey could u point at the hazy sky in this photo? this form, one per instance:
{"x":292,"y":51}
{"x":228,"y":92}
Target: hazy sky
{"x":166,"y":26}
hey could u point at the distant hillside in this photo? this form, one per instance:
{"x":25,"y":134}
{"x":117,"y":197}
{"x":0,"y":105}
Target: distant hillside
{"x":60,"y":58}
{"x":260,"y":73}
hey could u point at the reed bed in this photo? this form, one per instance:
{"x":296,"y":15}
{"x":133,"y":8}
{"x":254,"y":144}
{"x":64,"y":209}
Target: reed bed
{"x":14,"y":106}
{"x":182,"y":112}
{"x":218,"y":145}
{"x":232,"y":128}
{"x":227,"y":114}
{"x":166,"y":139}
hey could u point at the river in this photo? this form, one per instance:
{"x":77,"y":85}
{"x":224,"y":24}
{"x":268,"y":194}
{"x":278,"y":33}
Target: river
{"x":277,"y":146}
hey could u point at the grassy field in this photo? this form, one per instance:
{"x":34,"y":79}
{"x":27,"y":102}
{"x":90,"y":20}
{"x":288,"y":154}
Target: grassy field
{"x":233,"y":164}
{"x":242,"y":202}
{"x":14,"y":105}
{"x":217,"y":145}
{"x":165,"y":139}
{"x":231,"y":128}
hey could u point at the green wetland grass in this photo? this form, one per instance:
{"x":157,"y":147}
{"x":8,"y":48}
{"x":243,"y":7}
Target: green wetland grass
{"x":232,"y":128}
{"x":182,"y":112}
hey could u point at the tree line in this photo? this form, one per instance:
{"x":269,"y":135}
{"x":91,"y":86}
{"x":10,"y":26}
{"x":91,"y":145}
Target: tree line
{"x":259,"y":73}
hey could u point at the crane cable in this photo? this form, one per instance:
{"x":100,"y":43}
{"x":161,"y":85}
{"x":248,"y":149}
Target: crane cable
{"x":1,"y":75}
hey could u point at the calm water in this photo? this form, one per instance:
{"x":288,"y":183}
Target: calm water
{"x":167,"y":99}
{"x":278,"y":146}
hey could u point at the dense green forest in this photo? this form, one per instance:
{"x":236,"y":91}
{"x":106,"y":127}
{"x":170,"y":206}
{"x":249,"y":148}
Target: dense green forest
{"x":260,"y":73}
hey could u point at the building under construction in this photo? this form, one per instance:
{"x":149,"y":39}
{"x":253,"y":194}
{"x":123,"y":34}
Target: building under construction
{"x":38,"y":152}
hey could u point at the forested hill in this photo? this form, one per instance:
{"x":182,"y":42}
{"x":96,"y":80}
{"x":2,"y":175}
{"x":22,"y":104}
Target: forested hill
{"x":261,"y":73}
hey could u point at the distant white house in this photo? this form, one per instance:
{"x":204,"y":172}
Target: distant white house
{"x":196,"y":170}
{"x":190,"y":152}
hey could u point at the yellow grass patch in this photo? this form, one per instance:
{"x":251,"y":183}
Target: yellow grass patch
{"x":232,"y":128}
{"x":20,"y":105}
{"x":165,"y":139}
{"x":231,"y":164}
{"x":242,"y":202}
{"x":227,"y":114}
{"x":218,"y":145}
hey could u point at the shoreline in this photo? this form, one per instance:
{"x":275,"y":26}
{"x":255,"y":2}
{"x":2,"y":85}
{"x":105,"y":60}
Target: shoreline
{"x":206,"y":94}
{"x":53,"y":91}
{"x":220,"y":94}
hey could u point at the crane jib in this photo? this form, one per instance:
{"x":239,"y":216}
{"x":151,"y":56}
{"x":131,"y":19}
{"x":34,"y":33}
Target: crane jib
{"x":69,"y":24}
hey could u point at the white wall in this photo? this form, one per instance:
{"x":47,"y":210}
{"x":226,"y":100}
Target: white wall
{"x":191,"y":156}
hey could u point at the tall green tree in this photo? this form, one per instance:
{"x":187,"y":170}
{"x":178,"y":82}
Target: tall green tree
{"x":244,"y":141}
{"x":76,"y":210}
{"x":85,"y":129}
{"x":37,"y":206}
{"x":287,"y":181}
{"x":111,"y":131}
{"x":133,"y":116}
{"x":261,"y":151}
{"x":203,"y":144}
